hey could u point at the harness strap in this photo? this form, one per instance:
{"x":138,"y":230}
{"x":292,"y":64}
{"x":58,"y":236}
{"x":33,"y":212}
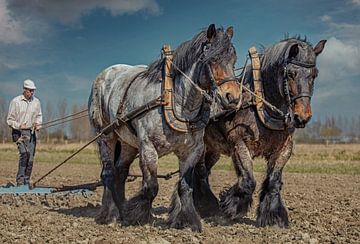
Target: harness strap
{"x":265,"y":118}
{"x":168,"y":101}
{"x":302,"y":64}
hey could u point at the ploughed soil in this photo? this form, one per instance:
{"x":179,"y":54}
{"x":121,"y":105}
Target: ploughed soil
{"x":323,"y":208}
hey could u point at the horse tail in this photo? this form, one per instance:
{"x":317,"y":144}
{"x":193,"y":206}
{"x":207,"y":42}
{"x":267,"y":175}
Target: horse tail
{"x":95,"y":103}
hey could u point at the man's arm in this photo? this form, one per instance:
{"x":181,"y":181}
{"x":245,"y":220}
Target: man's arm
{"x":12,"y":119}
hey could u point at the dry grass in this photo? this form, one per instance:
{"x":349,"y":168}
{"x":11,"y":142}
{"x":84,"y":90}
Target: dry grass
{"x":333,"y":159}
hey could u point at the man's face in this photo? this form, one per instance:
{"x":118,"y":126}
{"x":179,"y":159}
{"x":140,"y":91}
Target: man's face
{"x":28,"y":93}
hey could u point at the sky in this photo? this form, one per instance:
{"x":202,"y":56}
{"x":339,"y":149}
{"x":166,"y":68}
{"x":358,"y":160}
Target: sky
{"x":63,"y":45}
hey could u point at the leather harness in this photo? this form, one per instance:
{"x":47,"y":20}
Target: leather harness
{"x":285,"y":120}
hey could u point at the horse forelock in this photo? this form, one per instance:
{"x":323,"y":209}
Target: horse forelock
{"x":274,"y":56}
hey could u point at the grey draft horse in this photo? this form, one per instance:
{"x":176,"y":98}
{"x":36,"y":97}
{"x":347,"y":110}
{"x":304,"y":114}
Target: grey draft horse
{"x":288,"y":70}
{"x":208,"y":59}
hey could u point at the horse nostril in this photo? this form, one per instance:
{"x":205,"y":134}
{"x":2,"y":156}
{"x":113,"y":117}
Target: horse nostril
{"x":229,"y":97}
{"x":300,"y":122}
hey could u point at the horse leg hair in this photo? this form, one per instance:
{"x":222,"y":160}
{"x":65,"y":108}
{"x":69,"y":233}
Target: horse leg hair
{"x":108,"y":212}
{"x":126,"y":157}
{"x":137,"y":210}
{"x":205,"y":201}
{"x":236,"y":201}
{"x":182,"y":211}
{"x":271,"y":209}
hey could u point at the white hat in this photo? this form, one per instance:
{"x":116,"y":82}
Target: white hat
{"x":29,"y":84}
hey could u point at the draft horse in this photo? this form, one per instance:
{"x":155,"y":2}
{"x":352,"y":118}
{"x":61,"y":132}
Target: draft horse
{"x":285,"y":78}
{"x":208,"y":60}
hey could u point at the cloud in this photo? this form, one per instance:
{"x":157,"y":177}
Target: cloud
{"x":340,"y":58}
{"x":356,"y":2}
{"x":69,"y":12}
{"x":11,"y":29}
{"x":340,"y":61}
{"x":325,"y":18}
{"x":24,"y":20}
{"x":338,"y":75}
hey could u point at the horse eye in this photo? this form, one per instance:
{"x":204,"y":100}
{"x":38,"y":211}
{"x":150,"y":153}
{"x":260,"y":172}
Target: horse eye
{"x":292,"y":74}
{"x":206,"y":48}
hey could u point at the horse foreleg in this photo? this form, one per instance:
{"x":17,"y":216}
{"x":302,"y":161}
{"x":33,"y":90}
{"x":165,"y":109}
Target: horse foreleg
{"x":137,"y":210}
{"x":204,"y":199}
{"x":108,"y":212}
{"x":236,"y":201}
{"x":182,"y":212}
{"x":271,"y":210}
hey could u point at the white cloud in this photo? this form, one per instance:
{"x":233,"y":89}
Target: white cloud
{"x":325,"y":18}
{"x":11,"y":29}
{"x":340,"y":57}
{"x":22,"y":19}
{"x":337,"y":65}
{"x":356,"y":2}
{"x":340,"y":61}
{"x":70,"y":12}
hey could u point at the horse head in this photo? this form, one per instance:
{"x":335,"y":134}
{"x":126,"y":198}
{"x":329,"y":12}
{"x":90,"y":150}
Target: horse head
{"x":299,"y":74}
{"x":216,"y":67}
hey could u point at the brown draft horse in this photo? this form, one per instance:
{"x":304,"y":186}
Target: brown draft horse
{"x":288,"y":70}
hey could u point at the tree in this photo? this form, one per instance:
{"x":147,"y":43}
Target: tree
{"x":330,"y":131}
{"x":4,"y":128}
{"x":62,"y":113}
{"x":48,"y":117}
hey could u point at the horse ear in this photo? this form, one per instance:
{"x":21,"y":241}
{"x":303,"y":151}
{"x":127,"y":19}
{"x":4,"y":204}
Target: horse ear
{"x":294,"y":50}
{"x":230,"y":32}
{"x":319,"y":47}
{"x":211,"y":32}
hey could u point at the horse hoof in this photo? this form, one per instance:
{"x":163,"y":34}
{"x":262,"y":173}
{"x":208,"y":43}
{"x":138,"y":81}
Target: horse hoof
{"x":235,"y":203}
{"x":195,"y":227}
{"x":136,"y":211}
{"x":281,"y":223}
{"x":277,"y":216}
{"x":105,"y":219}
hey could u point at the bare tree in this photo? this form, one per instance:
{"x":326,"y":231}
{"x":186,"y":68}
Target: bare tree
{"x":62,"y":113}
{"x":86,"y":131}
{"x":48,"y":117}
{"x":4,"y":128}
{"x":74,"y":125}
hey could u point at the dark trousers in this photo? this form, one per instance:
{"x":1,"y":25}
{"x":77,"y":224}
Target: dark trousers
{"x":26,"y":142}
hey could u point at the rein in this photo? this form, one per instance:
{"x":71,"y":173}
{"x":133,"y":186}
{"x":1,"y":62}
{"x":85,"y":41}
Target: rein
{"x":291,"y":99}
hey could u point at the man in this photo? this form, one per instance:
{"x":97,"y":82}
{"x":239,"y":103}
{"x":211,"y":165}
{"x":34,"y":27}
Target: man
{"x":25,"y":118}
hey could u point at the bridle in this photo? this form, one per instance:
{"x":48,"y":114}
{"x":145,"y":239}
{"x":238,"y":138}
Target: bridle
{"x":291,"y":99}
{"x":215,"y":84}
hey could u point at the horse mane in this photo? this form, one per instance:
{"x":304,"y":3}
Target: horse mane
{"x":189,"y":52}
{"x":275,"y":55}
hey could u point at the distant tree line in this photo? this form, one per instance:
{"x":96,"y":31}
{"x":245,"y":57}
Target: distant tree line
{"x":331,"y":129}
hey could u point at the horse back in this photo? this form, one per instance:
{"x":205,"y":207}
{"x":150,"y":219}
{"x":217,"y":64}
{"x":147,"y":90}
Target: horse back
{"x":108,"y":90}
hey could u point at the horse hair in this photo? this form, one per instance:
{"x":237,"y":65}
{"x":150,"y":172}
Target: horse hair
{"x":189,"y":52}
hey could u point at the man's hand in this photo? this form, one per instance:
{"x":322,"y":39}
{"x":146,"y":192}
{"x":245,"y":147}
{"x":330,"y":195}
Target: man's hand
{"x":23,"y":126}
{"x":36,"y":126}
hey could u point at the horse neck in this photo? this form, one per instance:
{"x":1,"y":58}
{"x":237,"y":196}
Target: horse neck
{"x":187,"y":99}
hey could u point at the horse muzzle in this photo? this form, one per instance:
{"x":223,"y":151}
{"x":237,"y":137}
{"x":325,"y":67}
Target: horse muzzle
{"x":228,"y":93}
{"x":302,"y":112}
{"x":300,"y":122}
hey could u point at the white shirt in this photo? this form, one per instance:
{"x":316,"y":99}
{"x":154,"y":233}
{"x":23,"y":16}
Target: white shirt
{"x":23,"y":111}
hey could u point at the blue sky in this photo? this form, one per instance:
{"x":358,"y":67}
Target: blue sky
{"x":63,"y":45}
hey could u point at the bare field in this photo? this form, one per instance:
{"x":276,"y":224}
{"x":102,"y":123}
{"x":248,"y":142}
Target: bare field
{"x":321,"y":192}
